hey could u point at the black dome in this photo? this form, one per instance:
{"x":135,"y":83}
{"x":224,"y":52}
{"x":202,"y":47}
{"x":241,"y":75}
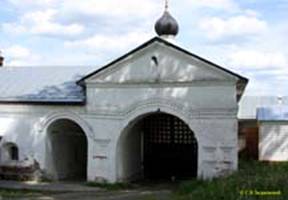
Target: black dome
{"x":166,"y":25}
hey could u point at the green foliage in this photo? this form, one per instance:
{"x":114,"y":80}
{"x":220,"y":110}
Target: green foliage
{"x":252,"y":177}
{"x":10,"y":193}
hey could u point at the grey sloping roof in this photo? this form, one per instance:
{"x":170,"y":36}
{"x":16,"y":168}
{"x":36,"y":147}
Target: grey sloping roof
{"x":42,"y":84}
{"x":249,"y":104}
{"x":276,"y":113}
{"x":62,"y":84}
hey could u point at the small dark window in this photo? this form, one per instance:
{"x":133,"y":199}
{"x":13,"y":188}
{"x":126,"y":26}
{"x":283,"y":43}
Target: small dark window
{"x":14,"y":154}
{"x":12,"y":151}
{"x":155,"y":60}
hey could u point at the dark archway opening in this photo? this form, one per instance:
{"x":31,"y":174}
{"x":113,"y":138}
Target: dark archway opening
{"x":170,"y":148}
{"x":157,"y":146}
{"x":66,"y":151}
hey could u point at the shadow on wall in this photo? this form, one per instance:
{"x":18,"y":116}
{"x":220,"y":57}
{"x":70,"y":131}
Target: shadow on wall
{"x":167,"y":70}
{"x":66,"y":151}
{"x":274,"y":141}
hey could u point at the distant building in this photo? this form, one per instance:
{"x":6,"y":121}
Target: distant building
{"x":273,"y":133}
{"x":262,"y":122}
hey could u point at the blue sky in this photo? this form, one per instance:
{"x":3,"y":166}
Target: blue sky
{"x":247,"y":36}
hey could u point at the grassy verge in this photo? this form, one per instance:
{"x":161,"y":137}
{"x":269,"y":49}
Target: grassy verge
{"x":254,"y":180}
{"x":10,"y":193}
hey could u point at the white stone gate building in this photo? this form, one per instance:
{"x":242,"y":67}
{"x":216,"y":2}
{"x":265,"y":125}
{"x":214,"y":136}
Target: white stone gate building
{"x":158,"y":111}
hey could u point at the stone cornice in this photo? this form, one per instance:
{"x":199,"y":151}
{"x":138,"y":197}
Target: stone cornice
{"x":199,"y":113}
{"x":149,"y":84}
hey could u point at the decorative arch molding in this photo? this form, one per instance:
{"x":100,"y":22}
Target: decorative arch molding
{"x":187,"y":111}
{"x":168,"y":106}
{"x":47,"y":120}
{"x":150,"y":106}
{"x":163,"y":102}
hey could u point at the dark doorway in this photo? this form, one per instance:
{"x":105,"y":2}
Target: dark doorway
{"x":157,"y":146}
{"x":66,"y":151}
{"x":170,"y":148}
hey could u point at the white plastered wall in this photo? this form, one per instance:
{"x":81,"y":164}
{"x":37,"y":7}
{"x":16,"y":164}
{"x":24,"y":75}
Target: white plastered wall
{"x":273,"y":141}
{"x":213,"y":120}
{"x":202,"y":96}
{"x":27,"y":126}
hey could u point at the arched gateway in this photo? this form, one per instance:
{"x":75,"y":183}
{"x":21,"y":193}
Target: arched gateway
{"x":66,"y":151}
{"x":157,"y":146}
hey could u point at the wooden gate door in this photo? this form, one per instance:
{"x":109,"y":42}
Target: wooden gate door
{"x":170,"y":148}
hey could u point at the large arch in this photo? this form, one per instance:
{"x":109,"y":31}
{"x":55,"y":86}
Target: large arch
{"x":66,"y":154}
{"x":146,"y":145}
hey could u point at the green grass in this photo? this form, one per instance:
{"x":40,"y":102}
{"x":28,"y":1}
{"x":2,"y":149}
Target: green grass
{"x":11,"y":193}
{"x":252,"y":176}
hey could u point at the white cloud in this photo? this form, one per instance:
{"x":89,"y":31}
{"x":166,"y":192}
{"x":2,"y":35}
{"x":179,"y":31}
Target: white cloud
{"x":218,"y":28}
{"x":110,"y":43}
{"x":42,"y":22}
{"x":111,"y":8}
{"x":266,"y":86}
{"x":17,"y":51}
{"x":32,"y":3}
{"x":229,"y":5}
{"x":60,"y":18}
{"x":13,"y":28}
{"x":17,"y":55}
{"x":253,"y":59}
{"x":258,"y":87}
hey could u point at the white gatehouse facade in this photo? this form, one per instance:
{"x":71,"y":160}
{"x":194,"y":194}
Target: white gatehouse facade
{"x":157,"y":112}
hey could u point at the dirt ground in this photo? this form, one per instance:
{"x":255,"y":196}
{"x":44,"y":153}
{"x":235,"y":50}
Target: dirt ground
{"x":123,"y":195}
{"x":75,"y":191}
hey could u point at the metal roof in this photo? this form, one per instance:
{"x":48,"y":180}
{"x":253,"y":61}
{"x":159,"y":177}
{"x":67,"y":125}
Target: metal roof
{"x":60,"y":84}
{"x":42,"y":84}
{"x":276,"y":113}
{"x":248,"y":105}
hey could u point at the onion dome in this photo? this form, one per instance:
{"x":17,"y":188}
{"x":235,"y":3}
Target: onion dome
{"x":1,"y":59}
{"x":167,"y":25}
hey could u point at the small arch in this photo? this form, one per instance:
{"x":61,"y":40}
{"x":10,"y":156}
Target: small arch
{"x":10,"y":152}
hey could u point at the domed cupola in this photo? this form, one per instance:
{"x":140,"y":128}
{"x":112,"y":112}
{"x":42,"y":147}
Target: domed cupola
{"x":166,"y":26}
